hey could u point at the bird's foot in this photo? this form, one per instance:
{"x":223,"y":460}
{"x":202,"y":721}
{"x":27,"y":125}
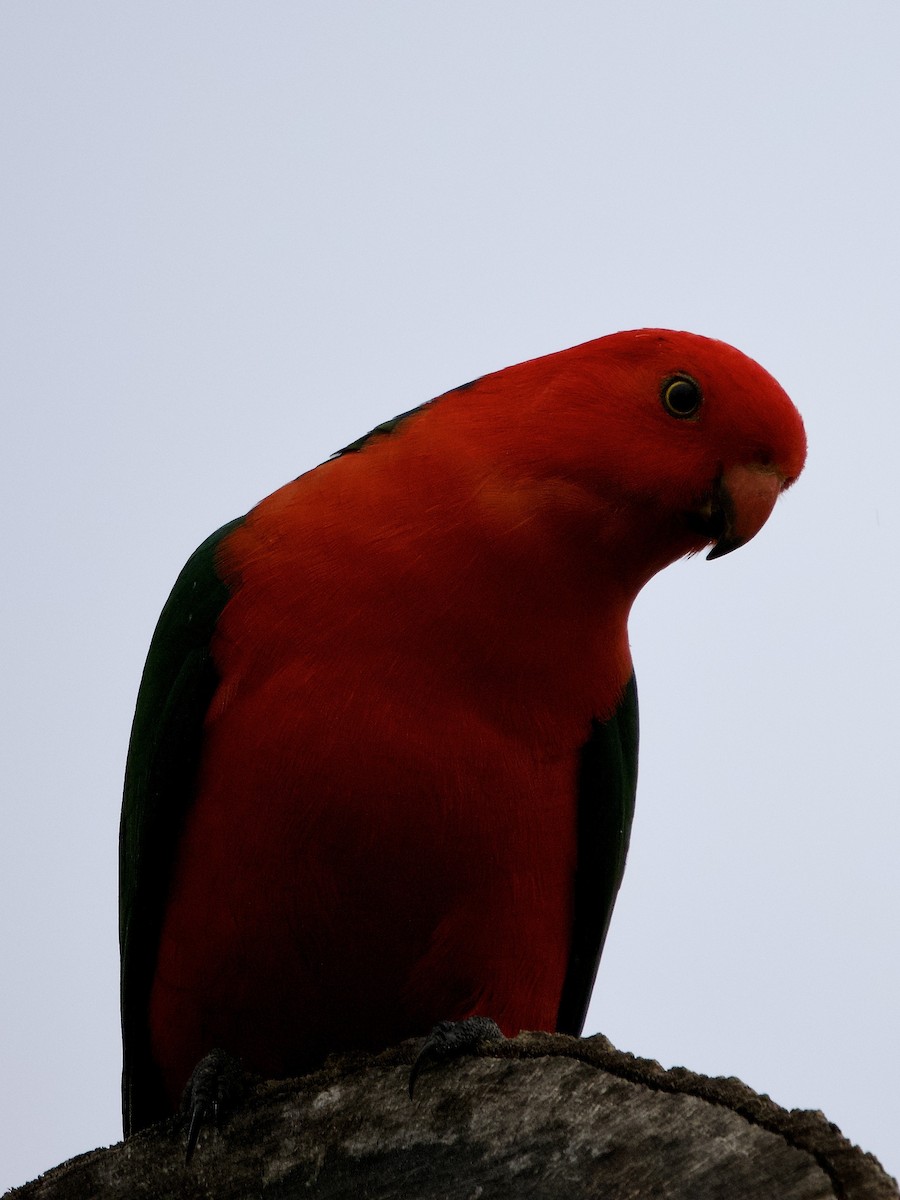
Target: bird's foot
{"x":216,"y":1086}
{"x":453,"y":1039}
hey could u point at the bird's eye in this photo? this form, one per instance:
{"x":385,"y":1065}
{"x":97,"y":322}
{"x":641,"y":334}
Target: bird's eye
{"x":681,"y":396}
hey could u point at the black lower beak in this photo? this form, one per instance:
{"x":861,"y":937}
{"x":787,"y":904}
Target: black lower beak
{"x":714,"y":519}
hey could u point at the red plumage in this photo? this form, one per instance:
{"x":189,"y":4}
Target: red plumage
{"x":418,"y":636}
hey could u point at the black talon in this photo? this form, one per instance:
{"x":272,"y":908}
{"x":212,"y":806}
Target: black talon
{"x":452,"y":1039}
{"x":216,"y":1085}
{"x":199,"y":1114}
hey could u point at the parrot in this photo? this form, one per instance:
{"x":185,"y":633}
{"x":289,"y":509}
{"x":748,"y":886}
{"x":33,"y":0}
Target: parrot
{"x":383,"y":763}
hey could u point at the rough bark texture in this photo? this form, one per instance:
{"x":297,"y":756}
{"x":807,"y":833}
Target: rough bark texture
{"x":544,"y":1117}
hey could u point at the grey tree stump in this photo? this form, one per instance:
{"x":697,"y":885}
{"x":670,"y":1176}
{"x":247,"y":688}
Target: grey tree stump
{"x":544,"y":1117}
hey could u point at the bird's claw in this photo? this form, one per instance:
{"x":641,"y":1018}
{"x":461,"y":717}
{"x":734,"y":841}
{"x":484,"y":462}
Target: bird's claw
{"x":452,"y":1039}
{"x":215,"y":1086}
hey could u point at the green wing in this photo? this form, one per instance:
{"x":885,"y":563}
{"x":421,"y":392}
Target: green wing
{"x":178,"y":683}
{"x":607,"y":781}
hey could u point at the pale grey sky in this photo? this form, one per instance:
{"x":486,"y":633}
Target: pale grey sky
{"x":235,"y":236}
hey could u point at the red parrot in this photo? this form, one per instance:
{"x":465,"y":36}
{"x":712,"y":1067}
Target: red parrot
{"x":383,"y":762}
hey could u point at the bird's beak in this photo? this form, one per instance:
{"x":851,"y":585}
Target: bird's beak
{"x":742,"y":499}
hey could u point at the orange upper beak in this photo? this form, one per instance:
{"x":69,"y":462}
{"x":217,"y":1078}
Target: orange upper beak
{"x":743,"y":499}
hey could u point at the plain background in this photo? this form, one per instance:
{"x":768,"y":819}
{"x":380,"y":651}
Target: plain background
{"x":237,"y":235}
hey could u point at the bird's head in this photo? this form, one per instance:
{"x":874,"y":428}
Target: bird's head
{"x":682,"y":441}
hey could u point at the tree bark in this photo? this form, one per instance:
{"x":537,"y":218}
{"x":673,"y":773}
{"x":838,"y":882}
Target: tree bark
{"x":544,"y":1117}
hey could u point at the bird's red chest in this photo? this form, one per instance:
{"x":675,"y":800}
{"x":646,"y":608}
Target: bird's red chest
{"x":353,"y":881}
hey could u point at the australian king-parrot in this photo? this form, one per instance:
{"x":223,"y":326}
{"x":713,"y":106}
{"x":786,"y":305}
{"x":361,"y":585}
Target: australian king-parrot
{"x":383,"y":764}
